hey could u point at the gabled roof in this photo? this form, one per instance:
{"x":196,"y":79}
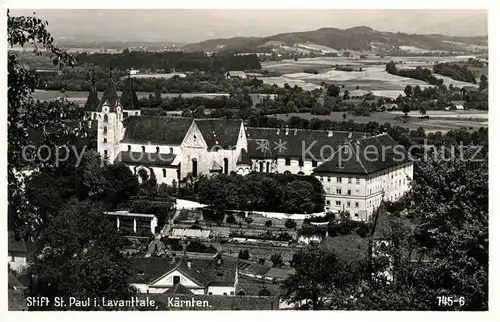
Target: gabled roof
{"x":14,"y":283}
{"x":203,"y":270}
{"x":243,"y":158}
{"x":128,"y":99}
{"x":92,"y":103}
{"x":156,"y":130}
{"x":110,"y":95}
{"x":265,"y":143}
{"x":215,"y":166}
{"x":16,"y":245}
{"x":143,"y":158}
{"x":178,"y":289}
{"x":219,"y":132}
{"x":382,"y":229}
{"x":365,"y":156}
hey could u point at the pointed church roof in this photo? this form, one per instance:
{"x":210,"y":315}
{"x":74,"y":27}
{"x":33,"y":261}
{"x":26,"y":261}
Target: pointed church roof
{"x":92,"y":103}
{"x":110,"y":95}
{"x":129,"y":100}
{"x":382,"y":229}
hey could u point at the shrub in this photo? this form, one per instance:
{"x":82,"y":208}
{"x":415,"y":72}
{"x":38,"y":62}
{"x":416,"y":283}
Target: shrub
{"x":230,"y":219}
{"x":290,"y":223}
{"x":248,"y":220}
{"x":244,"y":254}
{"x":269,"y":223}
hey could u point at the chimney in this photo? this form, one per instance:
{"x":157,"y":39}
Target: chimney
{"x":173,"y":258}
{"x":278,"y":131}
{"x":219,"y":260}
{"x":330,"y":133}
{"x":349,"y":135}
{"x":295,"y":132}
{"x":189,"y":263}
{"x":286,"y":130}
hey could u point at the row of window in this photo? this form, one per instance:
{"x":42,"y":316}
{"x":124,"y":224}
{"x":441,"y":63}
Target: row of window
{"x":339,"y":179}
{"x":288,"y":161}
{"x":338,"y":203}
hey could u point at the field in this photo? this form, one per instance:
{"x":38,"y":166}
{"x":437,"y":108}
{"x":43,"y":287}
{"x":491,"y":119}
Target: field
{"x":373,"y":76}
{"x":439,"y":120}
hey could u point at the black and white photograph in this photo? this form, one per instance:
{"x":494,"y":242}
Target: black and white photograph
{"x":246,"y":159}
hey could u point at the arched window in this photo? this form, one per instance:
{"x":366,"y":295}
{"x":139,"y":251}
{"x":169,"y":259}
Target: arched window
{"x":157,"y":149}
{"x":287,"y":172}
{"x":136,"y":113}
{"x":105,"y":130}
{"x":171,"y":150}
{"x":194,"y":165}
{"x":143,"y":148}
{"x":105,"y":140}
{"x":105,"y":118}
{"x":129,"y":148}
{"x":164,"y":173}
{"x":94,"y":116}
{"x":300,"y":173}
{"x":226,"y":165}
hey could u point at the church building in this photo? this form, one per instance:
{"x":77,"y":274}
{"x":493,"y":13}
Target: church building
{"x":173,"y":148}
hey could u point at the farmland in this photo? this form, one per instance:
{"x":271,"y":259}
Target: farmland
{"x":373,"y":76}
{"x":439,"y":120}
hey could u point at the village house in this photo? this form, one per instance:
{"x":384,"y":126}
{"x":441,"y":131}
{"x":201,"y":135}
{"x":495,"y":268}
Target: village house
{"x":215,"y":275}
{"x":236,"y":74}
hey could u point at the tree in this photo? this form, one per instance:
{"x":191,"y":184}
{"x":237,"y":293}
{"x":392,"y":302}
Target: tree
{"x":248,"y":220}
{"x":346,"y":95}
{"x":318,"y":276}
{"x":333,"y":91}
{"x":230,"y":219}
{"x":483,"y":84}
{"x":244,"y":254}
{"x":277,"y":260}
{"x":290,"y":223}
{"x":423,"y":109}
{"x":408,"y":91}
{"x":406,"y":109}
{"x":269,"y":223}
{"x":344,"y":116}
{"x":78,"y":255}
{"x":264,"y":291}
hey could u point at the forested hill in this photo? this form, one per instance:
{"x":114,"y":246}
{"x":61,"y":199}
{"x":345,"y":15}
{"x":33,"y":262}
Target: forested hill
{"x":356,"y":38}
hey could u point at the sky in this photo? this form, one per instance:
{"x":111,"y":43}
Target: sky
{"x":189,"y":26}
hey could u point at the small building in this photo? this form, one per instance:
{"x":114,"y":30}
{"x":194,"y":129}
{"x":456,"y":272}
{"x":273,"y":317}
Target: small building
{"x":214,"y":275}
{"x":148,"y":221}
{"x":17,"y":252}
{"x":180,"y":233}
{"x":236,"y":74}
{"x":469,"y":90}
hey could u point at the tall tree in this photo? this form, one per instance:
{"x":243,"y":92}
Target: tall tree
{"x":78,"y":255}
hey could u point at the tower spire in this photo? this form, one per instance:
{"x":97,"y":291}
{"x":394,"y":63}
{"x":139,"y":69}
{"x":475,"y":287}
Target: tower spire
{"x":110,"y":69}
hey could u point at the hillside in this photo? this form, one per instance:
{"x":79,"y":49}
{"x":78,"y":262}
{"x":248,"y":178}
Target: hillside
{"x":356,"y":38}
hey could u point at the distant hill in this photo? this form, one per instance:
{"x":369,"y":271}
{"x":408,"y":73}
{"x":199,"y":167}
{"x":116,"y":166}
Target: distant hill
{"x":357,"y":38}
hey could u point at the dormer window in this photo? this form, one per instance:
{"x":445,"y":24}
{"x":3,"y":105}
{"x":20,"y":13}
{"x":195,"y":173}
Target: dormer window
{"x":105,"y":109}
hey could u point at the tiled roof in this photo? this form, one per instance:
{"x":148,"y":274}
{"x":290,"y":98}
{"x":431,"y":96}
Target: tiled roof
{"x":16,"y":245}
{"x":143,"y":158}
{"x":203,"y":270}
{"x":243,"y":158}
{"x":221,"y":132}
{"x":14,"y":282}
{"x":92,"y":103}
{"x":178,"y":289}
{"x":365,"y":156}
{"x":266,"y":142}
{"x":382,"y":229}
{"x":110,"y":95}
{"x":156,"y":130}
{"x":252,"y":286}
{"x":128,"y":99}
